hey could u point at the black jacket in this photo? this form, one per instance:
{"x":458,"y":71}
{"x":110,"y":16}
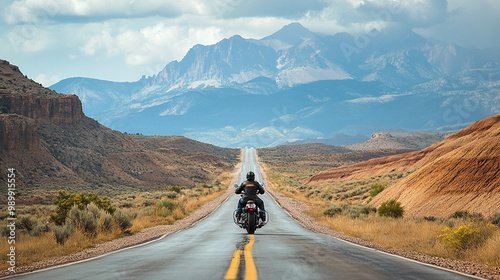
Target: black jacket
{"x":251,"y":188}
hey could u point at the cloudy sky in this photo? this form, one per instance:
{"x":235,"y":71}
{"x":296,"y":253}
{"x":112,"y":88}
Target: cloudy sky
{"x":121,"y":40}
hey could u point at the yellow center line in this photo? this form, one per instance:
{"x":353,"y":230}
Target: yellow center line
{"x":232,"y":272}
{"x":250,"y":270}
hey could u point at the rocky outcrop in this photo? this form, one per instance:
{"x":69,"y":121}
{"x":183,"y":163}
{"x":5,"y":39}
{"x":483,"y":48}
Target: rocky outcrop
{"x":64,"y":109}
{"x":22,"y":96}
{"x":18,"y":132}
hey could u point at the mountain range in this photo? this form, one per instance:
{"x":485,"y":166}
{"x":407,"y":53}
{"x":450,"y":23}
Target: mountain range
{"x":296,"y":85}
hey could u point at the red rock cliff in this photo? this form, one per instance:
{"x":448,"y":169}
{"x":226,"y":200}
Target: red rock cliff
{"x":22,"y":96}
{"x":63,"y":109}
{"x":18,"y":132}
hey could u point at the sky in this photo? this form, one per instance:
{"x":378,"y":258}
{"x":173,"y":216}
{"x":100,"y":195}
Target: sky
{"x":122,"y":40}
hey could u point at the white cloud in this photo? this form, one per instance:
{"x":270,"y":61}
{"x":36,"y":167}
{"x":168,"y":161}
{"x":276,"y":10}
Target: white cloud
{"x":469,"y":24}
{"x":158,"y":42}
{"x":122,"y":39}
{"x":39,"y":11}
{"x":411,"y":13}
{"x":47,"y":81}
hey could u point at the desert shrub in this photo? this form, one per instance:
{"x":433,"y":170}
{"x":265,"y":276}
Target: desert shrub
{"x":391,"y":208}
{"x":466,"y":215}
{"x":84,"y":220}
{"x":93,"y":210}
{"x":362,"y":210}
{"x":65,"y":201}
{"x":62,"y":233}
{"x":122,"y":219}
{"x":430,"y":218}
{"x":326,"y":195}
{"x":40,"y":228}
{"x":495,"y":219}
{"x":172,"y":194}
{"x":466,"y":236}
{"x":26,"y":223}
{"x":332,"y":210}
{"x":353,"y":192}
{"x":4,"y":231}
{"x":376,"y":189}
{"x":106,"y":222}
{"x":167,"y":204}
{"x":459,"y":215}
{"x":312,"y":193}
{"x":126,"y":204}
{"x":165,"y":207}
{"x":176,"y":189}
{"x":148,"y":202}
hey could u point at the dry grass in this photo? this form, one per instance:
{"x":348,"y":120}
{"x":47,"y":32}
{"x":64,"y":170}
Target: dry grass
{"x":141,"y":206}
{"x":31,"y":249}
{"x":412,"y":234}
{"x":489,"y":253}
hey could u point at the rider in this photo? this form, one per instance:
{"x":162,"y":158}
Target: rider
{"x":251,"y":189}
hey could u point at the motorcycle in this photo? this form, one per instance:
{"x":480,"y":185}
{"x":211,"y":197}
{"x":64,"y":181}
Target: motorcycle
{"x":250,"y":219}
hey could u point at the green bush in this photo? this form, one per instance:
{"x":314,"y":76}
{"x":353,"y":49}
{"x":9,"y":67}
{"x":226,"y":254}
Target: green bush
{"x":65,"y":201}
{"x":391,"y":208}
{"x":376,"y":189}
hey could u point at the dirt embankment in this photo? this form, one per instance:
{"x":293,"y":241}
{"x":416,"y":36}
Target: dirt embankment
{"x":461,"y":172}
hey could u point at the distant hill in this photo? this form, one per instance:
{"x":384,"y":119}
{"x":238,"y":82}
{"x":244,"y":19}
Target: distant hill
{"x":47,"y":138}
{"x":462,"y":172}
{"x":398,"y":141}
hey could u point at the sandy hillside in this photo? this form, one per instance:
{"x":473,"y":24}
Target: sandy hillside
{"x":461,"y":172}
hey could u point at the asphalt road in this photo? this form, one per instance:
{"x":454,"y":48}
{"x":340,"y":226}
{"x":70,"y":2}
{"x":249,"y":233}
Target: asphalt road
{"x":215,"y":248}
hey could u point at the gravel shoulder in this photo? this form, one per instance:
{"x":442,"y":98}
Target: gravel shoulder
{"x":296,"y":209}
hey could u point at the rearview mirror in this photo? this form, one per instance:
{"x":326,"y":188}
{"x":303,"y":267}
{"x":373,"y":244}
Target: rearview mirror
{"x":236,"y":185}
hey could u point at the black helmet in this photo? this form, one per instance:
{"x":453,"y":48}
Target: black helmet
{"x":250,"y":176}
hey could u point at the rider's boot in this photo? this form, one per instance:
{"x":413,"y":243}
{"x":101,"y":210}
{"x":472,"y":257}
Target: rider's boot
{"x":262,"y":217}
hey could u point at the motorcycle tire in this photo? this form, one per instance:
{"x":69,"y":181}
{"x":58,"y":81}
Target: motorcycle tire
{"x":252,"y":223}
